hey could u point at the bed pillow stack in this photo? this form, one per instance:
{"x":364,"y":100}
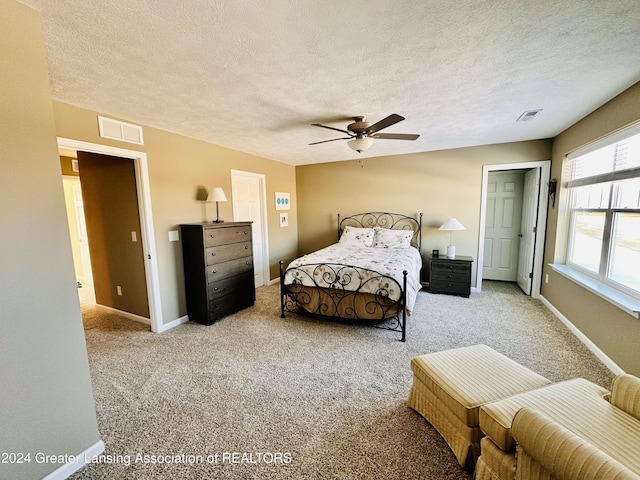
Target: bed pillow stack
{"x":385,"y":238}
{"x":357,"y":236}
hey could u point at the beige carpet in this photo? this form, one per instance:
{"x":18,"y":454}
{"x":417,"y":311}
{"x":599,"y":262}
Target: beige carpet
{"x":299,"y":397}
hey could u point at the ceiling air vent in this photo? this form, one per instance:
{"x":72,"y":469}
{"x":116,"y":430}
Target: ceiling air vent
{"x":116,"y":130}
{"x":528,"y":115}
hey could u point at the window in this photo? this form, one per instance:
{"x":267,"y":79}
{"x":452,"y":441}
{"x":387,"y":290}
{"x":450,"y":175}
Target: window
{"x":604,"y":208}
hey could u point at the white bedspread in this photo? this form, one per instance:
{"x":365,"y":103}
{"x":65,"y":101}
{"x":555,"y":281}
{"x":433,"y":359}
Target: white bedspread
{"x":390,"y":262}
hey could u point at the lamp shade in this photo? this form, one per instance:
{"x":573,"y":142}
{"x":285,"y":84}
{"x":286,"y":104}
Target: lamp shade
{"x":216,"y":195}
{"x":451,"y":225}
{"x":360,"y":144}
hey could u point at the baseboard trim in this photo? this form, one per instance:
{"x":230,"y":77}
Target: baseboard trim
{"x":81,"y":460}
{"x":603,"y":357}
{"x":122,"y":313}
{"x":174,"y":323}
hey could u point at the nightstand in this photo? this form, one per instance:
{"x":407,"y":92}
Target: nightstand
{"x":451,"y":276}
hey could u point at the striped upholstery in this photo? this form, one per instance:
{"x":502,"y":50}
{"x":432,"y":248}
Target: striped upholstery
{"x":547,"y":450}
{"x":450,"y":386}
{"x":578,"y":405}
{"x":625,"y":394}
{"x":494,"y":464}
{"x":569,"y":400}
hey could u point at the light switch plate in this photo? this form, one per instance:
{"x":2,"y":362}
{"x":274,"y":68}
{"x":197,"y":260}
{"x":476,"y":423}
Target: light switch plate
{"x":174,"y":236}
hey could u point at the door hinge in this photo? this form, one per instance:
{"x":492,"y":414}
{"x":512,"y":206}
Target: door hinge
{"x":535,"y":229}
{"x":531,"y":275}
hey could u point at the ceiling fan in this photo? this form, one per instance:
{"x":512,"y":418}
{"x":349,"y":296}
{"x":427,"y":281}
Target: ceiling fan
{"x":361,"y":133}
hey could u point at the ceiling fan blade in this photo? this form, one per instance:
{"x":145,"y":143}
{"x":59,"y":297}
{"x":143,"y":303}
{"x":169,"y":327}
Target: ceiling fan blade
{"x":385,"y":122}
{"x":332,"y":140}
{"x":331,"y":128}
{"x":396,"y":136}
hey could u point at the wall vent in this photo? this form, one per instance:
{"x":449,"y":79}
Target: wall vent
{"x":528,"y":115}
{"x":117,"y":130}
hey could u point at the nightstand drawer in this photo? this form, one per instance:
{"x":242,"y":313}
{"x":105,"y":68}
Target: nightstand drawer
{"x":222,"y":236}
{"x":449,"y":267}
{"x":231,"y":251}
{"x":456,"y":288}
{"x":450,"y":277}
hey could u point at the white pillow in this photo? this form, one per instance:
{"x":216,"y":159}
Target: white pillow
{"x":386,"y":238}
{"x":357,"y":236}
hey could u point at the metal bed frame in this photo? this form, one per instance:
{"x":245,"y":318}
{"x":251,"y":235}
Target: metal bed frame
{"x":335,"y":279}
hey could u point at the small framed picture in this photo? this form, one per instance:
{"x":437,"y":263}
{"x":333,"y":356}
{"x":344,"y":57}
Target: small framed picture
{"x":284,"y":219}
{"x":282,"y":201}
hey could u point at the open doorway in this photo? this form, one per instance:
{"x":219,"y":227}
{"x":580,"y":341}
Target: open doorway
{"x":104,"y":227}
{"x":513,"y":224}
{"x":146,"y":237}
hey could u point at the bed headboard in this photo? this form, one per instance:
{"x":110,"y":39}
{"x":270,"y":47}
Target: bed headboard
{"x":393,"y":221}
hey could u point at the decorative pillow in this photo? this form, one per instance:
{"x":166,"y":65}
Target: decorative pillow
{"x":357,"y":236}
{"x":386,"y":238}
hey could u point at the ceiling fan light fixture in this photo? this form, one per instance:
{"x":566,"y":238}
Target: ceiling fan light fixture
{"x":360,"y":144}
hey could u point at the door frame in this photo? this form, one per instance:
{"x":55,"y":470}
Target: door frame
{"x":262,"y":181}
{"x":541,"y":225}
{"x":146,"y":218}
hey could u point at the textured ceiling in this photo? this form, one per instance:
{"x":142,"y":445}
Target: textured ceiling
{"x":253,"y":75}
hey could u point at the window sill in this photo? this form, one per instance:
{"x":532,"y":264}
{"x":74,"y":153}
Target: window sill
{"x":621,"y":300}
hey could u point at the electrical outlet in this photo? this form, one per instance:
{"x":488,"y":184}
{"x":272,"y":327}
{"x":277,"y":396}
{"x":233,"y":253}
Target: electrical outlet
{"x":546,"y":278}
{"x":134,"y":237}
{"x":119,"y":290}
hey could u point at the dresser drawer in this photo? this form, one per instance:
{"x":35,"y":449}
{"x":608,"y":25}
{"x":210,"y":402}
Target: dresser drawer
{"x":222,"y":236}
{"x":229,"y":269}
{"x":230,"y":303}
{"x":229,"y":285}
{"x":231,"y":251}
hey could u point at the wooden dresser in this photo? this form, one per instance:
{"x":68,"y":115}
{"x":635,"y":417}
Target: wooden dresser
{"x":218,"y":269}
{"x":450,"y":275}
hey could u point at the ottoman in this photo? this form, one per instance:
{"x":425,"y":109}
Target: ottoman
{"x":449,"y":387}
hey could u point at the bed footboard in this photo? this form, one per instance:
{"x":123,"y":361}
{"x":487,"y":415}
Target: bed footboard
{"x":345,"y":292}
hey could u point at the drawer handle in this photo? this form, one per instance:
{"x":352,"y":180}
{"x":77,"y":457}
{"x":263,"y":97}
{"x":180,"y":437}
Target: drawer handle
{"x":450,"y":267}
{"x":449,"y":276}
{"x":247,"y":263}
{"x":246,"y":247}
{"x":215,"y":271}
{"x":449,"y":285}
{"x":213,"y":254}
{"x":212,"y":236}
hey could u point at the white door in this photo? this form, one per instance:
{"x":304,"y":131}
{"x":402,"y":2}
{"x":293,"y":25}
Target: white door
{"x":249,"y":204}
{"x":83,"y":239}
{"x":502,"y":225}
{"x":528,"y":229}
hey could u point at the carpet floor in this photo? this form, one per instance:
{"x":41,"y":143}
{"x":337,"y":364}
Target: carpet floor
{"x":255,"y":396}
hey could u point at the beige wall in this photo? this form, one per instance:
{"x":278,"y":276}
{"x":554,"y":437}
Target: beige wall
{"x":439,"y":184}
{"x":178,"y":168}
{"x":45,"y":388}
{"x":615,"y":332}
